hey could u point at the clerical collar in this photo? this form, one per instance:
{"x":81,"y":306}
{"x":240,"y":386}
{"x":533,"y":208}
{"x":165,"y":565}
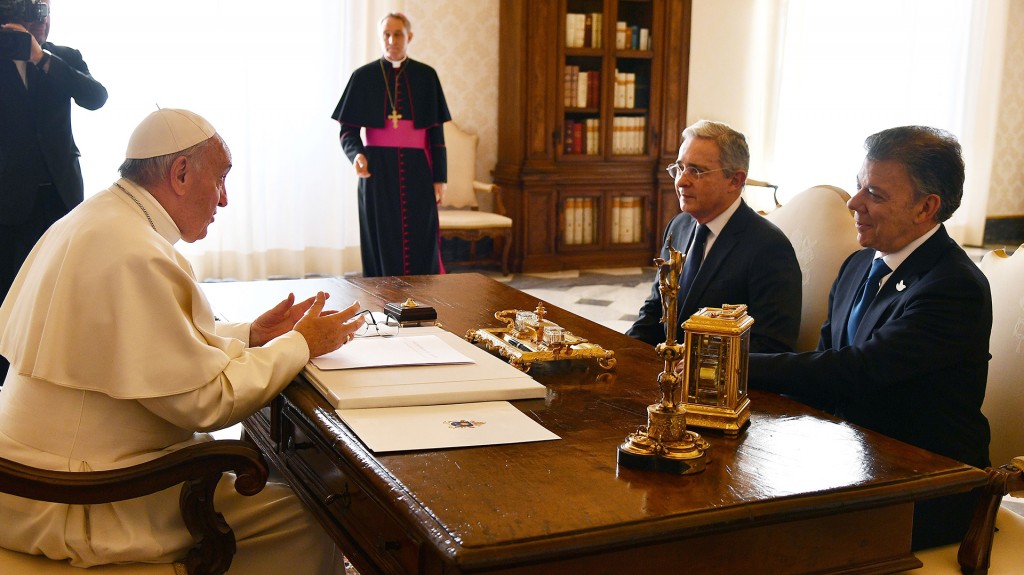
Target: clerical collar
{"x":397,"y":64}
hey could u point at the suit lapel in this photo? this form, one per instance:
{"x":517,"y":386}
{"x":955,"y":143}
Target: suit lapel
{"x":901,"y":282}
{"x":724,"y":244}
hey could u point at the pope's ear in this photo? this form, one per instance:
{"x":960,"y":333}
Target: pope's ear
{"x":179,"y":172}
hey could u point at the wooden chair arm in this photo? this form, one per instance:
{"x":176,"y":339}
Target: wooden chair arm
{"x":89,"y":487}
{"x":975,"y":550}
{"x":499,"y":206}
{"x":198,"y":467}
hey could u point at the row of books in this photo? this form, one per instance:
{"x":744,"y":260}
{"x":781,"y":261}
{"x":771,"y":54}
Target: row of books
{"x":582,"y":88}
{"x":579,"y":221}
{"x":631,"y":37}
{"x":582,"y":136}
{"x":627,"y":93}
{"x":629,"y":135}
{"x":626,"y":220}
{"x":583,"y":30}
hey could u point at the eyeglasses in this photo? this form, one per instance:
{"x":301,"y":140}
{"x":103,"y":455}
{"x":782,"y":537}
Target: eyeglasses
{"x":377,"y":324}
{"x":675,"y":169}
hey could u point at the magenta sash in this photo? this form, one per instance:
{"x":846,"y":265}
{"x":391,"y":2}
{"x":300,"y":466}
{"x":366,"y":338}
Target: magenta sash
{"x":404,"y":136}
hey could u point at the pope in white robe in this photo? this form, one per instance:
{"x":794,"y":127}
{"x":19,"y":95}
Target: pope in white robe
{"x":116,"y":359}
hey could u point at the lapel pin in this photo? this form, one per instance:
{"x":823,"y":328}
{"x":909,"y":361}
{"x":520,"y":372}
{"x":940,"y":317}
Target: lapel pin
{"x":901,"y":286}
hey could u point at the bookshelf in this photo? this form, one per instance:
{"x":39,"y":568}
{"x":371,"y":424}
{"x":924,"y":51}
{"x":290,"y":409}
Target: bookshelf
{"x":592,"y":99}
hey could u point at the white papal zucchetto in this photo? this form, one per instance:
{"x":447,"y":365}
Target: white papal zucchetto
{"x":167,"y":131}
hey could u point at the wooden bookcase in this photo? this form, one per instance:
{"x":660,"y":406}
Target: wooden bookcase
{"x":606,"y":201}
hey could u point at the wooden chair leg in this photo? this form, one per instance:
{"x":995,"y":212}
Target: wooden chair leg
{"x":975,"y":551}
{"x":506,"y":239}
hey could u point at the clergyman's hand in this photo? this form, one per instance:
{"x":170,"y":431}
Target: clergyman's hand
{"x":277,"y":321}
{"x":326,"y":331}
{"x":362,"y":166}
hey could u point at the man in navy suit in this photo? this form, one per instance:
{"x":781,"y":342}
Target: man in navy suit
{"x":40,"y":178}
{"x":913,"y":362}
{"x":744,"y":258}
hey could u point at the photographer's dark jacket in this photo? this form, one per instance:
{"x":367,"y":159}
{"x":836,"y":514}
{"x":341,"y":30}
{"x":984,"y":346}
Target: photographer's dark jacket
{"x":36,"y":143}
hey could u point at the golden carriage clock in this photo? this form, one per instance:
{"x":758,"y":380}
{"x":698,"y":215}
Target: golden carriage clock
{"x":717,"y":344}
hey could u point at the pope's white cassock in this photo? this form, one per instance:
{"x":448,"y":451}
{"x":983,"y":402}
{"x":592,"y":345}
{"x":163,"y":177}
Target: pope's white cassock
{"x":116,"y":359}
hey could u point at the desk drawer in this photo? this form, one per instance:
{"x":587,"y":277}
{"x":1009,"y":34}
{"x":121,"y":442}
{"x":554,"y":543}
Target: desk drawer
{"x":374,"y":530}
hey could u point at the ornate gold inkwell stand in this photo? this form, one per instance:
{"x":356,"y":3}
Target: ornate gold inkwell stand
{"x":529,"y":337}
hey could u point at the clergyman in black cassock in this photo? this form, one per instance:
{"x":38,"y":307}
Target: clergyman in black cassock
{"x":402,"y":106}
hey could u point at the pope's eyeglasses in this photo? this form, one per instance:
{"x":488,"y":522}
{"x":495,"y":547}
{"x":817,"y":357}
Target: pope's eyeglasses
{"x":377,"y":324}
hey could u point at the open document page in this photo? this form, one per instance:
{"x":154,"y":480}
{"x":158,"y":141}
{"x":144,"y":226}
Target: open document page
{"x":443,"y":426}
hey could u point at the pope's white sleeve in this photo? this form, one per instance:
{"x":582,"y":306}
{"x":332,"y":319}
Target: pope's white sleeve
{"x":248,"y":383}
{"x":235,"y":330}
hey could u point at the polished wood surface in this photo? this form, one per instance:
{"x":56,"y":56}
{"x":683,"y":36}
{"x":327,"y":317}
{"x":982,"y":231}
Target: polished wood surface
{"x":799,"y":491}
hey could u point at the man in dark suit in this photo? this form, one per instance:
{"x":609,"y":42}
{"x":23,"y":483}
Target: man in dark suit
{"x":742,"y":259}
{"x":911,"y":362}
{"x":40,"y":178}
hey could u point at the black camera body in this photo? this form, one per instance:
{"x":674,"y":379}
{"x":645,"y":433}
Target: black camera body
{"x":18,"y":45}
{"x":23,"y":11}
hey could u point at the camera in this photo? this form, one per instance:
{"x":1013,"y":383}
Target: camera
{"x":18,"y":45}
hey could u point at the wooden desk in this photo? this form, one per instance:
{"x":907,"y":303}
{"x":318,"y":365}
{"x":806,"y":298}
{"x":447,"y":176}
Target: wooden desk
{"x":798,"y":492}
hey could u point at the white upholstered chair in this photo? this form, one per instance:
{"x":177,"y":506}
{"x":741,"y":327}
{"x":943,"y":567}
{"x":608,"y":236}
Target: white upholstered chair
{"x":1004,"y":406}
{"x":820,"y":227}
{"x":197,"y":467}
{"x":1004,"y":396}
{"x":460,"y":215}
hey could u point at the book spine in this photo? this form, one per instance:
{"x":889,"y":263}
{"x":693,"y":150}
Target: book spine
{"x":588,"y":220}
{"x":569,"y":213}
{"x":582,"y":89}
{"x":626,"y":225}
{"x":616,"y":234}
{"x":577,"y":229}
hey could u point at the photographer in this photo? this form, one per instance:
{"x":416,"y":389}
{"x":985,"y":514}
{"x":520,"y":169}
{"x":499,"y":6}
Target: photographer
{"x":40,"y":178}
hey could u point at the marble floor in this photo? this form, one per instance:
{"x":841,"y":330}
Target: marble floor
{"x":610,"y":297}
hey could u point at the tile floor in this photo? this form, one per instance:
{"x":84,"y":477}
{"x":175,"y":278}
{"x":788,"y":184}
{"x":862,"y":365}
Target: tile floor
{"x":610,"y":297}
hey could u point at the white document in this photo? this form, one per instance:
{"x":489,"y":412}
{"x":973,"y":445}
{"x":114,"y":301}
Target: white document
{"x":391,"y":351}
{"x":488,"y":378}
{"x":443,"y":426}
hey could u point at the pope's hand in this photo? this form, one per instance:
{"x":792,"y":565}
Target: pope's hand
{"x":278,"y":321}
{"x":326,"y":331}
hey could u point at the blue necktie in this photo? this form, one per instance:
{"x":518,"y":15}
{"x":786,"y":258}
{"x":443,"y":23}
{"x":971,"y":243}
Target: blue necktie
{"x":693,"y":260}
{"x":864,"y":298}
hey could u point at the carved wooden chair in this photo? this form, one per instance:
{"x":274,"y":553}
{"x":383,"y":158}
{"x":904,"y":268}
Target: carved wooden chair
{"x":198,"y":467}
{"x":995,"y":540}
{"x":820,"y":227}
{"x":459,"y":214}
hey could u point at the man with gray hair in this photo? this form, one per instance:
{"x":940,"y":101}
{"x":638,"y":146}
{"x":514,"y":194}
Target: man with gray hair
{"x":109,"y":335}
{"x":733,"y":255}
{"x":904,"y":350}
